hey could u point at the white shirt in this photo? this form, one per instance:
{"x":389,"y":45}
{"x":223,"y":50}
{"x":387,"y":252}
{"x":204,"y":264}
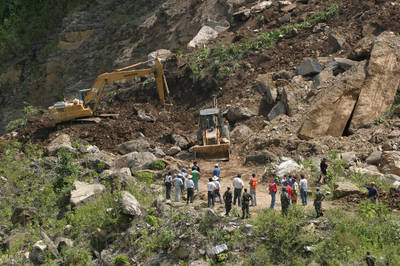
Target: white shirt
{"x":211,"y":186}
{"x":217,"y":186}
{"x":168,"y":179}
{"x":189,"y":183}
{"x":238,"y":182}
{"x":303,"y":184}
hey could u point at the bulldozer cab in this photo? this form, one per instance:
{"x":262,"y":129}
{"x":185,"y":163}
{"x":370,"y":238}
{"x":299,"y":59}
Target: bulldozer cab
{"x":212,"y":136}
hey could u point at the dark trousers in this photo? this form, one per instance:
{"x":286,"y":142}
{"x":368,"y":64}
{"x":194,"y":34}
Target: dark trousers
{"x":228,"y":207}
{"x":190,"y":193}
{"x":237,"y":194}
{"x":168,"y":187}
{"x":211,"y":199}
{"x":217,"y":194}
{"x":245,"y":210}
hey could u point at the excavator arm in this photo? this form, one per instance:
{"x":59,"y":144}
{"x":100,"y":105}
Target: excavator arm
{"x":127,"y":73}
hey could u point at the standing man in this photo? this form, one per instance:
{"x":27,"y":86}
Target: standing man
{"x":253,"y":186}
{"x":217,"y":189}
{"x":324,"y":166}
{"x":272,"y":187}
{"x":183,"y":177}
{"x":318,"y":203}
{"x":177,"y":182}
{"x":217,"y":171}
{"x":210,"y":193}
{"x":245,"y":204}
{"x":303,"y":190}
{"x":295,"y":189}
{"x":196,"y":177}
{"x":372,"y":193}
{"x":168,"y":185}
{"x":190,"y":189}
{"x":195,"y":167}
{"x":284,"y":200}
{"x":228,"y":201}
{"x":238,"y":186}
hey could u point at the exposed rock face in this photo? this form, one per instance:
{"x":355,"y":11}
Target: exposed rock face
{"x":63,"y":242}
{"x":83,"y":192}
{"x":333,"y":107}
{"x":358,"y":96}
{"x":383,"y":79}
{"x":130,"y":205}
{"x":133,"y":145}
{"x":343,"y":189}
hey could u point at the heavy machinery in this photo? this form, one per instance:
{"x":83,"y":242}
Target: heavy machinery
{"x":89,"y":99}
{"x":212,"y":135}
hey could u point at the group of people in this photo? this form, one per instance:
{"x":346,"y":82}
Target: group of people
{"x":244,"y":199}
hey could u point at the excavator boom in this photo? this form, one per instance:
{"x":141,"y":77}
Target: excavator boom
{"x":64,"y":112}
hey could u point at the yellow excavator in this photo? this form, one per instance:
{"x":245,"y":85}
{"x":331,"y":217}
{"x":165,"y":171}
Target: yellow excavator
{"x":212,"y":135}
{"x":89,"y":99}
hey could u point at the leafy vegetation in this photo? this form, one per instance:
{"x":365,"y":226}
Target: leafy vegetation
{"x":157,"y":165}
{"x":223,"y":58}
{"x":21,"y":122}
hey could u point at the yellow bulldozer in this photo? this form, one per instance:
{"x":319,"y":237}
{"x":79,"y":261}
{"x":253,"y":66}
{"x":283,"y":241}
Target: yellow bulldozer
{"x":89,"y":99}
{"x":212,"y":135}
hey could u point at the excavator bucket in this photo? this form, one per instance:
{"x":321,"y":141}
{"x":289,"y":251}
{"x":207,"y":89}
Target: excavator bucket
{"x":218,"y":152}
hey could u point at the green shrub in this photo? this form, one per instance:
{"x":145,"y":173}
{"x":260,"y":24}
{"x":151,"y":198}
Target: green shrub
{"x":121,"y":260}
{"x":157,"y":165}
{"x":371,"y":210}
{"x":145,"y":177}
{"x":77,"y":256}
{"x":16,"y":124}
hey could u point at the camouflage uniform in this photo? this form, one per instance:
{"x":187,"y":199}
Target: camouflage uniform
{"x":284,"y":201}
{"x":245,"y":204}
{"x":318,"y":202}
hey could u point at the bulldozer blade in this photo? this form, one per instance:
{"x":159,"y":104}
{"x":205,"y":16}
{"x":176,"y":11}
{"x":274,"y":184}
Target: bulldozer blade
{"x":212,"y":152}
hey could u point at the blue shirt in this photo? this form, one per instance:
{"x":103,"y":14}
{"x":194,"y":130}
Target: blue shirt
{"x":217,"y":172}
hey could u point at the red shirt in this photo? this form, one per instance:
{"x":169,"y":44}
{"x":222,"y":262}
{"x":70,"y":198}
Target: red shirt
{"x":289,"y":191}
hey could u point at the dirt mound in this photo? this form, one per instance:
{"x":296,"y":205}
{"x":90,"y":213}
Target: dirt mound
{"x":390,"y":199}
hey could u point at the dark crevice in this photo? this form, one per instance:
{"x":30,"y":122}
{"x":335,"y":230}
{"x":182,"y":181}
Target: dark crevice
{"x":346,"y":131}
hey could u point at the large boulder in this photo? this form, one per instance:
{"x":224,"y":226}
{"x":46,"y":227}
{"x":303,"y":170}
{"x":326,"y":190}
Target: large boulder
{"x":83,"y":192}
{"x":287,"y":166}
{"x":208,"y":33}
{"x":309,"y":67}
{"x":266,"y":87}
{"x":261,"y":157}
{"x":374,"y":158}
{"x":135,"y":160}
{"x":138,"y":145}
{"x":62,"y":141}
{"x":390,"y":162}
{"x":332,"y":107}
{"x":382,"y":81}
{"x":240,"y":133}
{"x":391,"y":178}
{"x":349,"y":157}
{"x":173,"y":150}
{"x":63,"y":242}
{"x":180,"y":141}
{"x":238,"y":113}
{"x":99,"y":161}
{"x":130,"y":205}
{"x":342,"y":189}
{"x":161,"y":54}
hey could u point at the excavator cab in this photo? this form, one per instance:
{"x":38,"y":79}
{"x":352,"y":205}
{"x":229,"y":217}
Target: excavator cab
{"x":212,"y":136}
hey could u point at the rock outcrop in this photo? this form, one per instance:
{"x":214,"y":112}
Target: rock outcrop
{"x":83,"y":192}
{"x":343,"y":189}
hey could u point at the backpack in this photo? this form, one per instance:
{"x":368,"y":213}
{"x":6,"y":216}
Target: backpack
{"x":271,"y":187}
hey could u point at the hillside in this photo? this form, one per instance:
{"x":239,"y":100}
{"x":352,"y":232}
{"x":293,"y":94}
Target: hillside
{"x":296,"y":81}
